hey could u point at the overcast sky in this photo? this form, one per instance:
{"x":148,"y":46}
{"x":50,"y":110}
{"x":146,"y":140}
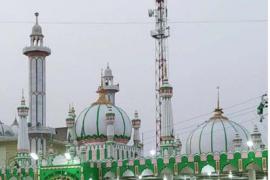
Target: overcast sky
{"x":229,"y":51}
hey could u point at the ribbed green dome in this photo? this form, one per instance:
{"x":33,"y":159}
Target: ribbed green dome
{"x":91,"y":122}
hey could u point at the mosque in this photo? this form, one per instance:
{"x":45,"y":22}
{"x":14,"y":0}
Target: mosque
{"x":103,"y":142}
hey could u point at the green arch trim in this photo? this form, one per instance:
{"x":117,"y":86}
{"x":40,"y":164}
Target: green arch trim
{"x":212,"y":149}
{"x":118,"y":109}
{"x":98,"y":119}
{"x":225,"y":134}
{"x":201,"y":136}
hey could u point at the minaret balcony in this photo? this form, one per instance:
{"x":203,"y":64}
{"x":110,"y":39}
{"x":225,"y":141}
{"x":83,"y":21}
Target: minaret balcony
{"x":33,"y":49}
{"x":136,"y":123}
{"x":110,"y":121}
{"x":114,"y":88}
{"x":41,"y":130}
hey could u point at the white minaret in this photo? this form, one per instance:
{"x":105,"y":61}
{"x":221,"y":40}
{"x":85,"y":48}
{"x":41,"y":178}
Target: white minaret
{"x":110,"y":119}
{"x":167,"y":130}
{"x":237,"y":142}
{"x":70,"y":122}
{"x":256,"y":138}
{"x":23,"y":146}
{"x":109,"y":86}
{"x":136,"y":124}
{"x":37,"y":53}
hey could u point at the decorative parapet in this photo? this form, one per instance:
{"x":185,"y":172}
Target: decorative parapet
{"x":222,"y":163}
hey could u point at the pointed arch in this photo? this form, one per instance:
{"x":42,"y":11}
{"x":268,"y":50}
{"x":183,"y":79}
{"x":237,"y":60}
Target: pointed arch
{"x":229,"y":168}
{"x":128,"y":173}
{"x":166,"y":172}
{"x":187,"y":170}
{"x":207,"y":169}
{"x":252,"y":165}
{"x":147,"y":172}
{"x":109,"y":175}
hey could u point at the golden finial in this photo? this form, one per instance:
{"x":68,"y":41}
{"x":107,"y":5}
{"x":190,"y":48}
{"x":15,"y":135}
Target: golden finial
{"x":102,"y":93}
{"x":102,"y":97}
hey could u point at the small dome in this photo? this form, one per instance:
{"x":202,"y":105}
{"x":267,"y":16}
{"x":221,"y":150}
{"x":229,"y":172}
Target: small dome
{"x":108,"y":72}
{"x":36,"y":30}
{"x":91,"y":123}
{"x":15,"y":126}
{"x":216,"y":135}
{"x":5,"y":130}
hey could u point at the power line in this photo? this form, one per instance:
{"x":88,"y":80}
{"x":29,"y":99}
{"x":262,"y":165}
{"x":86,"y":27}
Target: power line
{"x":137,"y":22}
{"x":147,"y":142}
{"x":209,"y":113}
{"x":188,"y":127}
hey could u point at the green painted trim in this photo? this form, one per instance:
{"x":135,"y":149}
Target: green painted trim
{"x":212,"y":149}
{"x":225,"y":134}
{"x":98,"y":119}
{"x":83,"y":131}
{"x":201,"y":136}
{"x":118,"y":109}
{"x":90,"y":154}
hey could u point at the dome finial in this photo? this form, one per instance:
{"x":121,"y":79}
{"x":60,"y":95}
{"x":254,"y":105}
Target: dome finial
{"x":108,"y":65}
{"x":218,"y":97}
{"x":36,"y":14}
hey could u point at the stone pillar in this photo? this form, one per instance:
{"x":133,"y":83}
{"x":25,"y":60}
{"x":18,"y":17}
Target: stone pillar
{"x":251,"y":174}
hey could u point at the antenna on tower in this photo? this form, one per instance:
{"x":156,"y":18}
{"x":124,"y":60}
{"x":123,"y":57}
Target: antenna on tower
{"x":160,"y":34}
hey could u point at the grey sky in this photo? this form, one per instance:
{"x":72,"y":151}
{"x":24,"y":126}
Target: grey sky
{"x":201,"y":56}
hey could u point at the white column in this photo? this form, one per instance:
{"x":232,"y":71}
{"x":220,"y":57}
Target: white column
{"x":33,"y":145}
{"x":251,"y":174}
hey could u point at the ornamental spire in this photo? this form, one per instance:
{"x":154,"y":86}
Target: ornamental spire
{"x":217,"y":97}
{"x":36,"y":14}
{"x":218,"y":111}
{"x":23,"y":99}
{"x":101,"y":78}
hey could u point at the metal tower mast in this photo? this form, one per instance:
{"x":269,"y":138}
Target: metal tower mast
{"x":160,"y":34}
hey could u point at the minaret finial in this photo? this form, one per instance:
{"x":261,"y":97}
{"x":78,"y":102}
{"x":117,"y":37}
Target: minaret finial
{"x":217,"y":97}
{"x":136,"y":114}
{"x":101,"y":78}
{"x":36,"y":14}
{"x":69,"y":107}
{"x":22,"y":100}
{"x":165,"y":73}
